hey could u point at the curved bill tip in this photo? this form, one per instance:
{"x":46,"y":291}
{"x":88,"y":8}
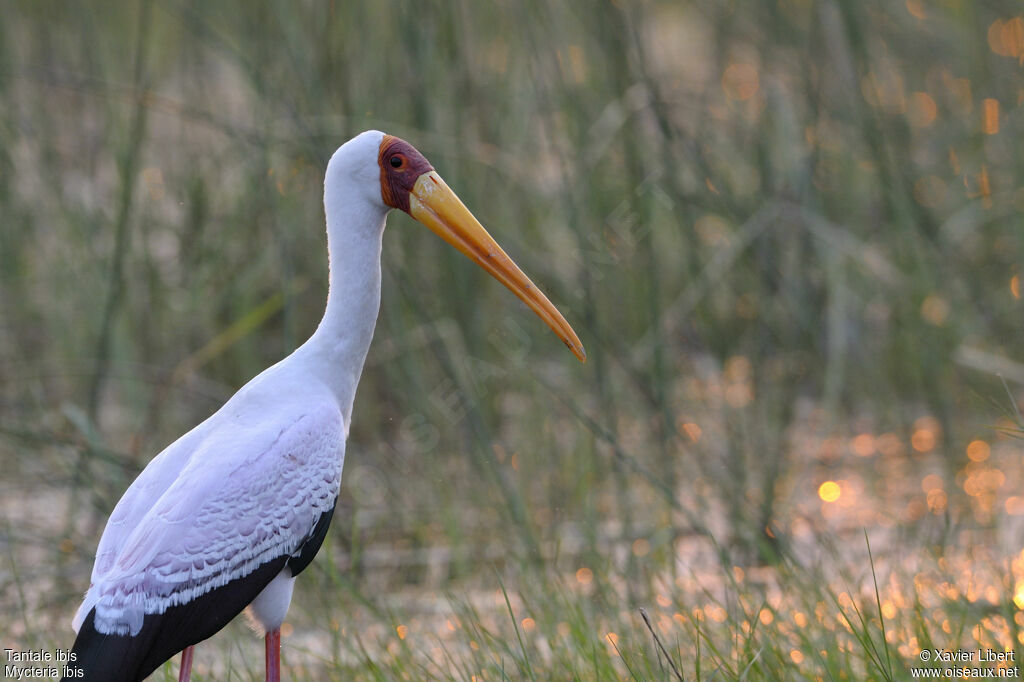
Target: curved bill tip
{"x":580,"y":352}
{"x":434,"y":204}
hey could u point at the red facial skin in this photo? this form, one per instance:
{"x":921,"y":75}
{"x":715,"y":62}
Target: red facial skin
{"x":396,"y":181}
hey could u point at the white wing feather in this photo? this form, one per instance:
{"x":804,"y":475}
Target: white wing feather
{"x":244,"y":487}
{"x":137,"y":500}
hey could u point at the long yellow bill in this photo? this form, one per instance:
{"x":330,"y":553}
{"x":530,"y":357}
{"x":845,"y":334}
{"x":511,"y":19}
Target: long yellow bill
{"x":435,"y":205}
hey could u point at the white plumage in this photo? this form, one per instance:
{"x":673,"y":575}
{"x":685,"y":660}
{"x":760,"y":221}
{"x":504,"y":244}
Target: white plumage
{"x":227,"y":514}
{"x":250,"y":490}
{"x":249,"y":483}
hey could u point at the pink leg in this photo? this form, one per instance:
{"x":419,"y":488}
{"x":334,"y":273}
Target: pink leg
{"x":185,"y":671}
{"x":274,"y":656}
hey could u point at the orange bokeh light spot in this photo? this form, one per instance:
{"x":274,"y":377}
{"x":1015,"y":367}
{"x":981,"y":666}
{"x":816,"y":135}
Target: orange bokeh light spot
{"x":921,"y":110}
{"x":1015,"y":505}
{"x":863,"y":445}
{"x":990,"y":121}
{"x":1006,"y":37}
{"x":693,"y":431}
{"x":923,"y":440}
{"x":740,"y":81}
{"x":978,"y":451}
{"x":931,"y":482}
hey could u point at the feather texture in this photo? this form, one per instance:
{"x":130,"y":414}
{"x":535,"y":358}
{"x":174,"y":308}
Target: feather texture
{"x":244,"y":487}
{"x":243,"y":500}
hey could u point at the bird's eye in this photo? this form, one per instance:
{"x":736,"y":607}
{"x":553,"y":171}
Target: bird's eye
{"x":397,"y":161}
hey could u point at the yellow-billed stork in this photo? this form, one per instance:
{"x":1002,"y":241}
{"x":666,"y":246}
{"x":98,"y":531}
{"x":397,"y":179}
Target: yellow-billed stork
{"x":229,"y":514}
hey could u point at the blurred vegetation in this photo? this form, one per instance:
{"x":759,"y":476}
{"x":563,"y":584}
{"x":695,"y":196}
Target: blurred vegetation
{"x":789,"y":234}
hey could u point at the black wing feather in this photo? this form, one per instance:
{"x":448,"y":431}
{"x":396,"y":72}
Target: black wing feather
{"x":124,"y":658}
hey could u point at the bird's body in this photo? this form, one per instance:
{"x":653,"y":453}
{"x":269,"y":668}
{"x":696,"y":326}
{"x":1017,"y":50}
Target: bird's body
{"x":229,"y":514}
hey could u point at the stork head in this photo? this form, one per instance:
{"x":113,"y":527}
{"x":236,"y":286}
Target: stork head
{"x":400,"y":177}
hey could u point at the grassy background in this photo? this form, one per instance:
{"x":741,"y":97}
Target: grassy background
{"x":789,"y":234}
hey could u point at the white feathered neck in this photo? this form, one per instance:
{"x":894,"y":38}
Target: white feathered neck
{"x":355,"y":227}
